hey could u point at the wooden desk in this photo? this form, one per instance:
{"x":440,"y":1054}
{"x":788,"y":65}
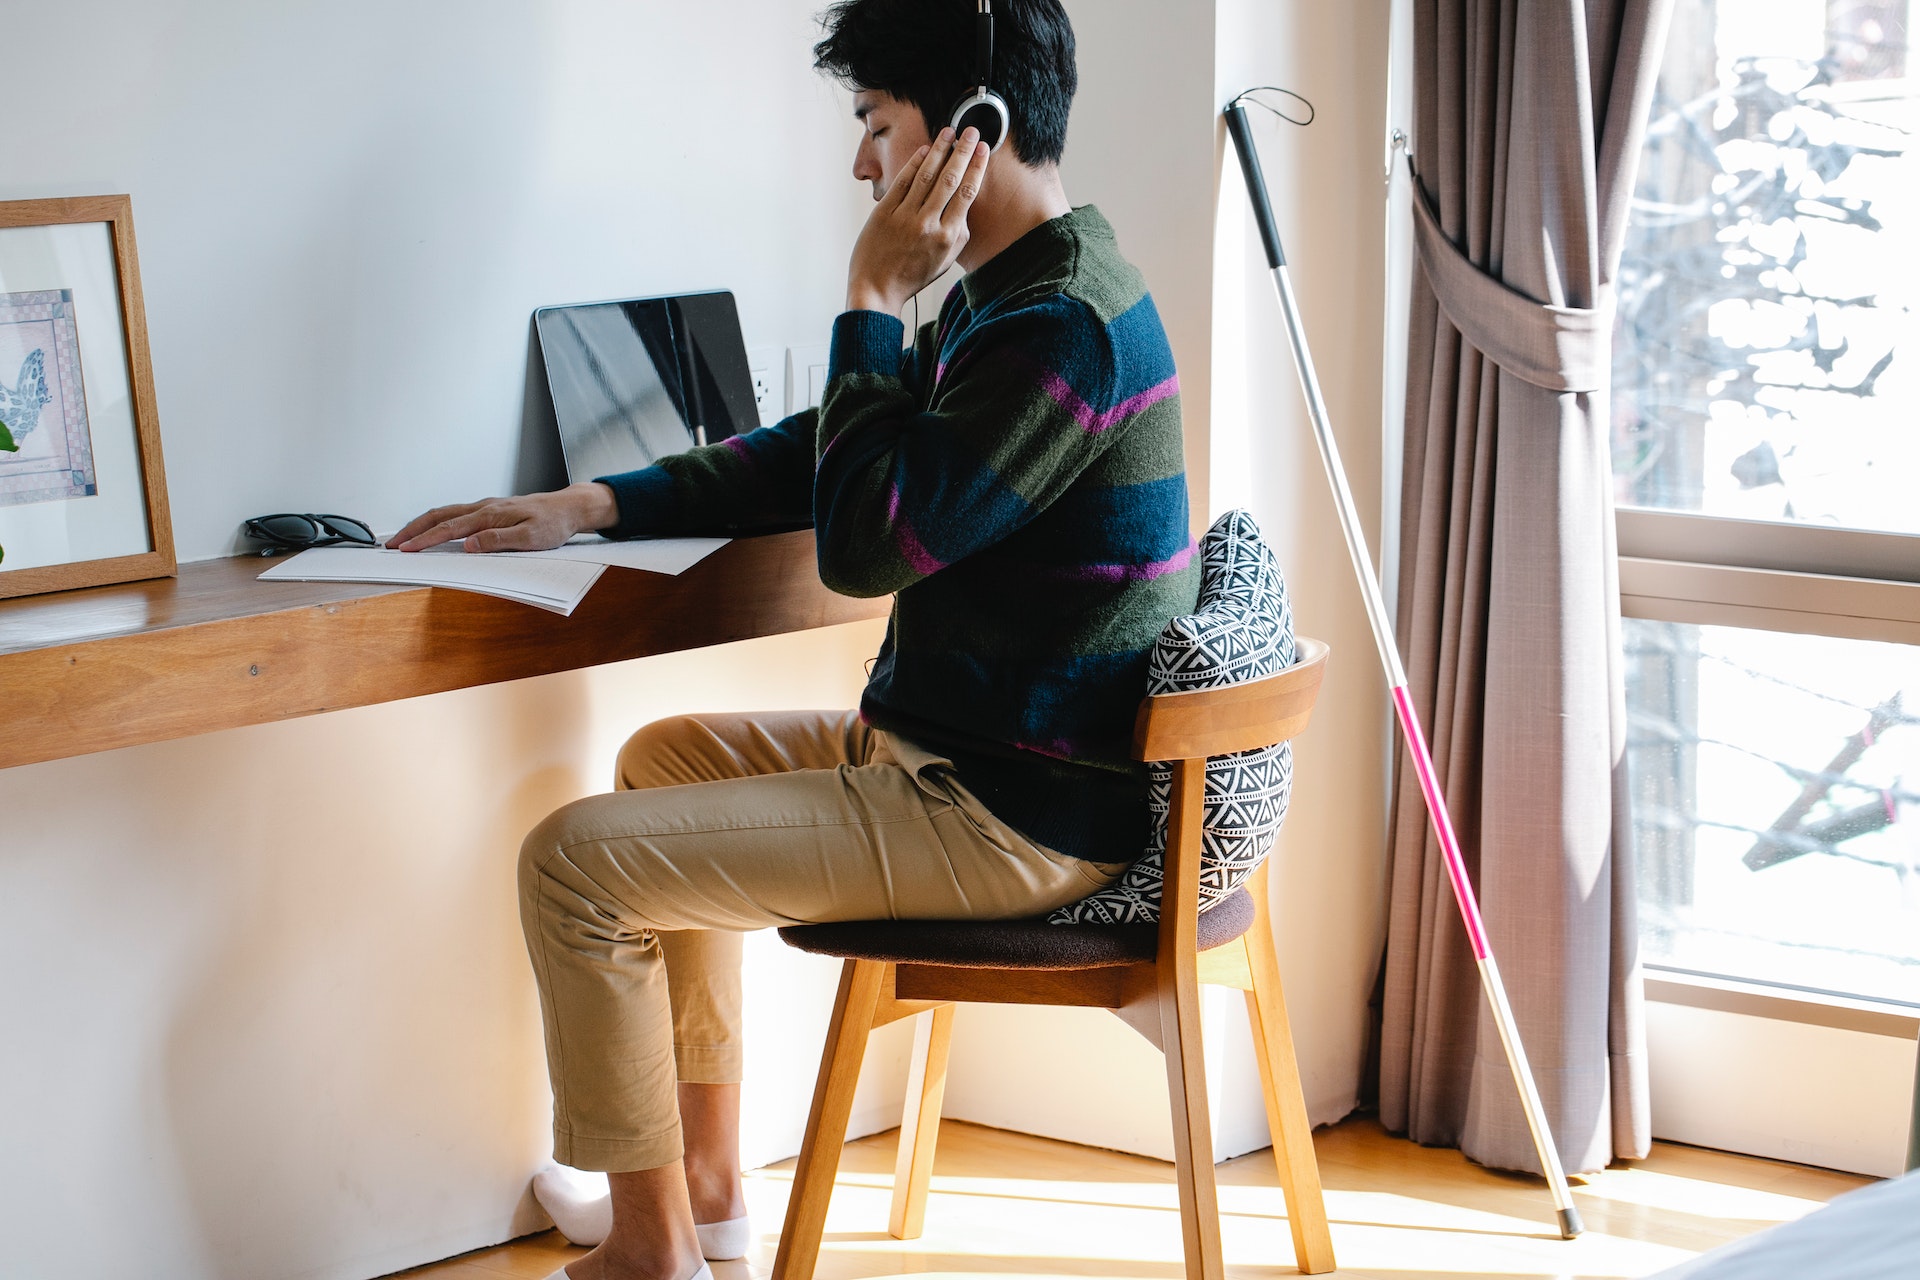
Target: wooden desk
{"x":84,"y":671}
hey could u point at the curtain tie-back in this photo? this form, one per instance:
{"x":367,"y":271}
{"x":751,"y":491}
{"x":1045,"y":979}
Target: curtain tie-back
{"x":1558,"y":348}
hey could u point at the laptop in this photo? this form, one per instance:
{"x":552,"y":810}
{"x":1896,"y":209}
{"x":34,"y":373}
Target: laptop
{"x":636,"y":379}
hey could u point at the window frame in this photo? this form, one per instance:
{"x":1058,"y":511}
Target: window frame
{"x":1715,"y":571}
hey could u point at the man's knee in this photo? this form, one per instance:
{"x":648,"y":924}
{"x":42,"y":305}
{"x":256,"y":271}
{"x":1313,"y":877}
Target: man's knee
{"x":557,"y":889}
{"x":654,"y":756}
{"x":541,"y":846}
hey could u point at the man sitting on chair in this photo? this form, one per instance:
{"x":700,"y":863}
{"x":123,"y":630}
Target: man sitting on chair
{"x":1015,"y":480}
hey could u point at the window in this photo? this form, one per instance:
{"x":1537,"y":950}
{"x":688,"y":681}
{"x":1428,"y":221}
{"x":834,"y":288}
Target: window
{"x":1766,"y":443}
{"x":1769,"y":279}
{"x":1776,"y":783}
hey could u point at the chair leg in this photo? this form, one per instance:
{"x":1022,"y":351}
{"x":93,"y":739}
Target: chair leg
{"x":861,"y":982}
{"x":1192,"y":1131}
{"x":920,"y":1122}
{"x":1286,"y":1102}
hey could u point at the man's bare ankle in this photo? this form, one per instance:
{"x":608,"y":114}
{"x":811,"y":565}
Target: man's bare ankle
{"x":717,"y":1194}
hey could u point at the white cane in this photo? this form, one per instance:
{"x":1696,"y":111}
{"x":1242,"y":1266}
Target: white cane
{"x":1238,"y":127}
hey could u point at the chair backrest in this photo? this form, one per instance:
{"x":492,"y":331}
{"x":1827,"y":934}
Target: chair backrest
{"x":1198,"y":723}
{"x":1186,"y":728}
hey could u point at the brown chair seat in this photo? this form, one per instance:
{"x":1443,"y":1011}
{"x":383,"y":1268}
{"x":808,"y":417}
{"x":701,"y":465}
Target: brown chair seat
{"x":1011,"y":944}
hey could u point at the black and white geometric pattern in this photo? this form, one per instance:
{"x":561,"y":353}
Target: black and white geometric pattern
{"x":1242,"y":631}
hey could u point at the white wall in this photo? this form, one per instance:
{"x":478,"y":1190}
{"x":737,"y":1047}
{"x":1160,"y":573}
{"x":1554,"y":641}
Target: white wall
{"x":347,"y":212}
{"x":267,"y":1009}
{"x":1330,"y":204}
{"x":1779,"y":1088}
{"x":262,"y":990}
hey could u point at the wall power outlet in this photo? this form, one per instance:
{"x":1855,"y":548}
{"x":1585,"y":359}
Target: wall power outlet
{"x":768,"y":367}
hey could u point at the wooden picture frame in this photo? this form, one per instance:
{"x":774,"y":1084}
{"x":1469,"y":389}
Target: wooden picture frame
{"x":89,"y":506}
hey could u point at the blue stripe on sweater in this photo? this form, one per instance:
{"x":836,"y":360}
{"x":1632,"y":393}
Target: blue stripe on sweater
{"x":1141,"y":359}
{"x":1134,"y":523}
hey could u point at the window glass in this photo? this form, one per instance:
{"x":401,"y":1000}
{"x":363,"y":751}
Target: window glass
{"x":1765,"y":355}
{"x":1776,"y":806}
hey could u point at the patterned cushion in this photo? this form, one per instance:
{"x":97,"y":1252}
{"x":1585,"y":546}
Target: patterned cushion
{"x":1242,"y":631}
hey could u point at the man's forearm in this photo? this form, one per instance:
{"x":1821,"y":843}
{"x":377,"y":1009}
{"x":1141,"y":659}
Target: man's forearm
{"x":593,"y":505}
{"x":760,"y":477}
{"x":867,"y":297}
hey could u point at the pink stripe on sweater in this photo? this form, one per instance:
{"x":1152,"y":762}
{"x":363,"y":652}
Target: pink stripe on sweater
{"x":918,"y":558}
{"x":1059,"y":748}
{"x":1083,"y":413}
{"x":1136,"y":572}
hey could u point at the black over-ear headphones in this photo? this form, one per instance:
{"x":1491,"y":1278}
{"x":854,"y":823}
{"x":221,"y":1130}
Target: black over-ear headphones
{"x":982,"y":108}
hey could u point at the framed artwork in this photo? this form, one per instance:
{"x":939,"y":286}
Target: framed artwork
{"x":83,"y":493}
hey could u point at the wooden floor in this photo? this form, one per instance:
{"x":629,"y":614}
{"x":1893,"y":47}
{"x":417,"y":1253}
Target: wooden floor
{"x":1006,"y":1205}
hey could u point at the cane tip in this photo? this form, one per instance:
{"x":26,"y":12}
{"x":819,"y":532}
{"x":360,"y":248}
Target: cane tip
{"x":1570,"y":1225}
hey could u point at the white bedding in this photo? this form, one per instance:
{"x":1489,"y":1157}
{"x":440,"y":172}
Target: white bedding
{"x":1869,"y":1234}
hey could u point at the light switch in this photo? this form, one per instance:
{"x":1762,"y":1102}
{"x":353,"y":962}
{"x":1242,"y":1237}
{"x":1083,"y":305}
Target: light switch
{"x":806,"y":376}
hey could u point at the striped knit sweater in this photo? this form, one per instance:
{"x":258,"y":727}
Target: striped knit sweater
{"x":1015,"y":481}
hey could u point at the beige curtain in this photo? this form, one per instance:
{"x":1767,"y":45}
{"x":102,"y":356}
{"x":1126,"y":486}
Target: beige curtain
{"x":1527,"y":128}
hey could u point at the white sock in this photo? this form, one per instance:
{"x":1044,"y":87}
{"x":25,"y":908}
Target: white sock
{"x":577,"y":1202}
{"x":724,"y":1241}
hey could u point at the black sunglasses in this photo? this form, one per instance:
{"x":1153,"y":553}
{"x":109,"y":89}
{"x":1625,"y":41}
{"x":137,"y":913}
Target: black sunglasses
{"x":287,"y":532}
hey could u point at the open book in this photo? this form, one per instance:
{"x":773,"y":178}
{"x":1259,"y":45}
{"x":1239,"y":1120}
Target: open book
{"x":558,"y":579}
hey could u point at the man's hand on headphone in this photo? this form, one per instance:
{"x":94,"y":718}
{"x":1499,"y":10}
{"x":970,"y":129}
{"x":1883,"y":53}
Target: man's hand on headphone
{"x":920,"y":226}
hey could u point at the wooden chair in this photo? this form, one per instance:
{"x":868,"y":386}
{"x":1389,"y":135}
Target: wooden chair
{"x":1150,"y":975}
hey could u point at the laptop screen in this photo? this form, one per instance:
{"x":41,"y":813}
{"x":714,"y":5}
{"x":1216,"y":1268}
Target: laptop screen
{"x":635,"y":380}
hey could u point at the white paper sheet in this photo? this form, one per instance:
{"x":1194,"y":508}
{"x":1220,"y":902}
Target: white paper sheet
{"x":558,"y":585}
{"x":558,"y":579}
{"x":657,"y":555}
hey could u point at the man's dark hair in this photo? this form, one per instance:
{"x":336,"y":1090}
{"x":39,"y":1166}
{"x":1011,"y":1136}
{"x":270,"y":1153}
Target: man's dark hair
{"x":921,"y":52}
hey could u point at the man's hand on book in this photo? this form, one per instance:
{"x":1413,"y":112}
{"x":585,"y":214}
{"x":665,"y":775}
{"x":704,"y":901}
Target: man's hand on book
{"x":536,"y":522}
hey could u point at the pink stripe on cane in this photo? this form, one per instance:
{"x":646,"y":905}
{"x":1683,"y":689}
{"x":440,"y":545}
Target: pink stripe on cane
{"x":1442,"y":824}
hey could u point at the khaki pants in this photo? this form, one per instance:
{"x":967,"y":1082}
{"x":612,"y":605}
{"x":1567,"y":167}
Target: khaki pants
{"x":633,"y":902}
